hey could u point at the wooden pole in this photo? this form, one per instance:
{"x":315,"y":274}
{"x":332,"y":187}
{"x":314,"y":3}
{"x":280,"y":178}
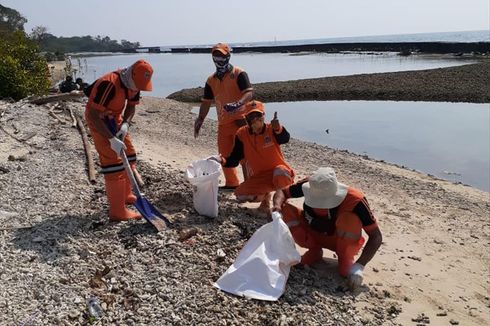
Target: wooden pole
{"x":86,"y":146}
{"x":57,"y":97}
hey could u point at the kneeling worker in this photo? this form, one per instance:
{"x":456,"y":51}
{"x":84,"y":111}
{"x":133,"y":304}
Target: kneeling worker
{"x":258,"y":144}
{"x":112,"y":100}
{"x":333,"y":217}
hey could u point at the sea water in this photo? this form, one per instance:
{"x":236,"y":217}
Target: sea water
{"x":448,"y":140}
{"x":173,"y":72}
{"x":444,"y":139}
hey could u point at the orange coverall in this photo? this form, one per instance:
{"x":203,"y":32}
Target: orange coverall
{"x":340,"y":231}
{"x":223,"y":91}
{"x":266,"y":168}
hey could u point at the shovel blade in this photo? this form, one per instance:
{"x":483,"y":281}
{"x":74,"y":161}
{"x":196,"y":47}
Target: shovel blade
{"x":151,"y":214}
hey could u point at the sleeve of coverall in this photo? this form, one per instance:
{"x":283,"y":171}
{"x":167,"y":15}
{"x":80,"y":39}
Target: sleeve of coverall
{"x":236,"y":154}
{"x":104,"y":93}
{"x":365,"y":215}
{"x":135,"y":100}
{"x":208,"y":93}
{"x":243,"y":82}
{"x":282,"y":137}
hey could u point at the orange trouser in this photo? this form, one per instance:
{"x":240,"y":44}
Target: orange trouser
{"x":226,"y":141}
{"x":265,"y":182}
{"x":342,"y":243}
{"x":109,"y":161}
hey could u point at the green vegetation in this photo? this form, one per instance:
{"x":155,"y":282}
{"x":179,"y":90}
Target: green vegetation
{"x":23,"y":71}
{"x":51,"y":43}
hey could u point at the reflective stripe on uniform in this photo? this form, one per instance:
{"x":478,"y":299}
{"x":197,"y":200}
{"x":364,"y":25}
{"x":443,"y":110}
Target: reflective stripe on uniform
{"x":112,"y":168}
{"x":347,"y":234}
{"x":281,"y":172}
{"x":131,"y":158}
{"x":292,"y":223}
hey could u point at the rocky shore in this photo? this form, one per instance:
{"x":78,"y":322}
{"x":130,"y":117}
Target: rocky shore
{"x":467,"y":83}
{"x":57,"y":248}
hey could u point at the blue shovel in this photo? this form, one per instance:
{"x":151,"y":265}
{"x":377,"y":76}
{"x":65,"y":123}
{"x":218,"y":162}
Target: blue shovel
{"x":146,"y":209}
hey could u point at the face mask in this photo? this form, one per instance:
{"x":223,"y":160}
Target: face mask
{"x":222,"y":65}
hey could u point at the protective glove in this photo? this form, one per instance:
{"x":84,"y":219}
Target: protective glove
{"x":275,"y":123}
{"x":216,"y":158}
{"x":197,"y":126}
{"x":276,"y":215}
{"x":117,"y":145}
{"x":123,"y":131}
{"x":355,"y":277}
{"x":232,"y":107}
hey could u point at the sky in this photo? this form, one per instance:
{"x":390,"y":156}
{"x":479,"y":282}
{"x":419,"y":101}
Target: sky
{"x":194,"y":22}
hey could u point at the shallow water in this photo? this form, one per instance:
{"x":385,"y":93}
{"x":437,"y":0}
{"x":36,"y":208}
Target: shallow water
{"x":174,"y":72}
{"x":448,"y":140}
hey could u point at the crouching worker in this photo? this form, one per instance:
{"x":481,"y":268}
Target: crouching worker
{"x":257,"y":144}
{"x":112,"y":100}
{"x":333,"y":217}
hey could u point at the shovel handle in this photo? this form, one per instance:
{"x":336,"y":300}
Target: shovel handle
{"x":111,"y":124}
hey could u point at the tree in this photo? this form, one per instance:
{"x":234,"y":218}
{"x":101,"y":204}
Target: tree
{"x":23,"y":71}
{"x":11,"y":20}
{"x":39,"y":34}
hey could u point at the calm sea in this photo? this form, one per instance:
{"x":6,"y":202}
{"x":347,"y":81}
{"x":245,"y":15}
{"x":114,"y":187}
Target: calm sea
{"x":461,"y":36}
{"x":444,"y":139}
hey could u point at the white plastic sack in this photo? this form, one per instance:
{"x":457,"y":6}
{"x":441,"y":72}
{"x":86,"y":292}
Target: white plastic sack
{"x":262,"y":266}
{"x":204,"y":177}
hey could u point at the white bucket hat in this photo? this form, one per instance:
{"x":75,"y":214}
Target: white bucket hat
{"x":323,"y":190}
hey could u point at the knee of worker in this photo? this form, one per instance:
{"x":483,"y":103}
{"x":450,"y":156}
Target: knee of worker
{"x":349,"y":227}
{"x":292,"y":215}
{"x":281,"y":178}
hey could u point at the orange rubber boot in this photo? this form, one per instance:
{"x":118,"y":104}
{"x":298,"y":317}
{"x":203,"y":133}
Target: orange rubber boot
{"x":130,"y":197}
{"x":115,"y":185}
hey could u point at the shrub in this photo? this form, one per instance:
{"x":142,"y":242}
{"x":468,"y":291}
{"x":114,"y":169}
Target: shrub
{"x":23,"y":71}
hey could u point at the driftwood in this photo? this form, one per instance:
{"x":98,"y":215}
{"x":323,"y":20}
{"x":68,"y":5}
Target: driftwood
{"x":57,"y":97}
{"x":74,"y":121}
{"x":51,"y":113}
{"x":86,"y":146}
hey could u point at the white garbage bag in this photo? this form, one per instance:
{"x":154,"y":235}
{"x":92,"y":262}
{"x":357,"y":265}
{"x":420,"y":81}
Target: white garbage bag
{"x":204,"y":177}
{"x":262,"y":266}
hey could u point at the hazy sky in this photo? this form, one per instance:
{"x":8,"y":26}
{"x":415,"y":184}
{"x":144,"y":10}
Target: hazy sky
{"x":186,"y":22}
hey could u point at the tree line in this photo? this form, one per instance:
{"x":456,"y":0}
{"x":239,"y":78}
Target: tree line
{"x":23,"y":56}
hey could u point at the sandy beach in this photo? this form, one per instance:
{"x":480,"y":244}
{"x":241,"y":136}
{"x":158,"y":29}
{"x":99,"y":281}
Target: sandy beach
{"x":58,"y":248}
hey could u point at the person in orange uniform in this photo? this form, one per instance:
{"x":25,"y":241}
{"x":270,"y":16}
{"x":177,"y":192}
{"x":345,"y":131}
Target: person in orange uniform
{"x":333,"y":217}
{"x":229,"y":88}
{"x":112,"y":100}
{"x":258,"y":144}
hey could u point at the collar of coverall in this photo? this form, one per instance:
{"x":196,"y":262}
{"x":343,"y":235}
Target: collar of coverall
{"x":126,"y":78}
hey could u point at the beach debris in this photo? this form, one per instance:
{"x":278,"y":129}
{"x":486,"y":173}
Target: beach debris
{"x":220,"y":254}
{"x":94,"y":309}
{"x":55,"y":98}
{"x":422,"y":318}
{"x":87,"y":149}
{"x":187,"y":233}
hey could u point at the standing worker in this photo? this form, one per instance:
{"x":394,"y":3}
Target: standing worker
{"x":333,"y":217}
{"x":112,"y":99}
{"x":229,"y":88}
